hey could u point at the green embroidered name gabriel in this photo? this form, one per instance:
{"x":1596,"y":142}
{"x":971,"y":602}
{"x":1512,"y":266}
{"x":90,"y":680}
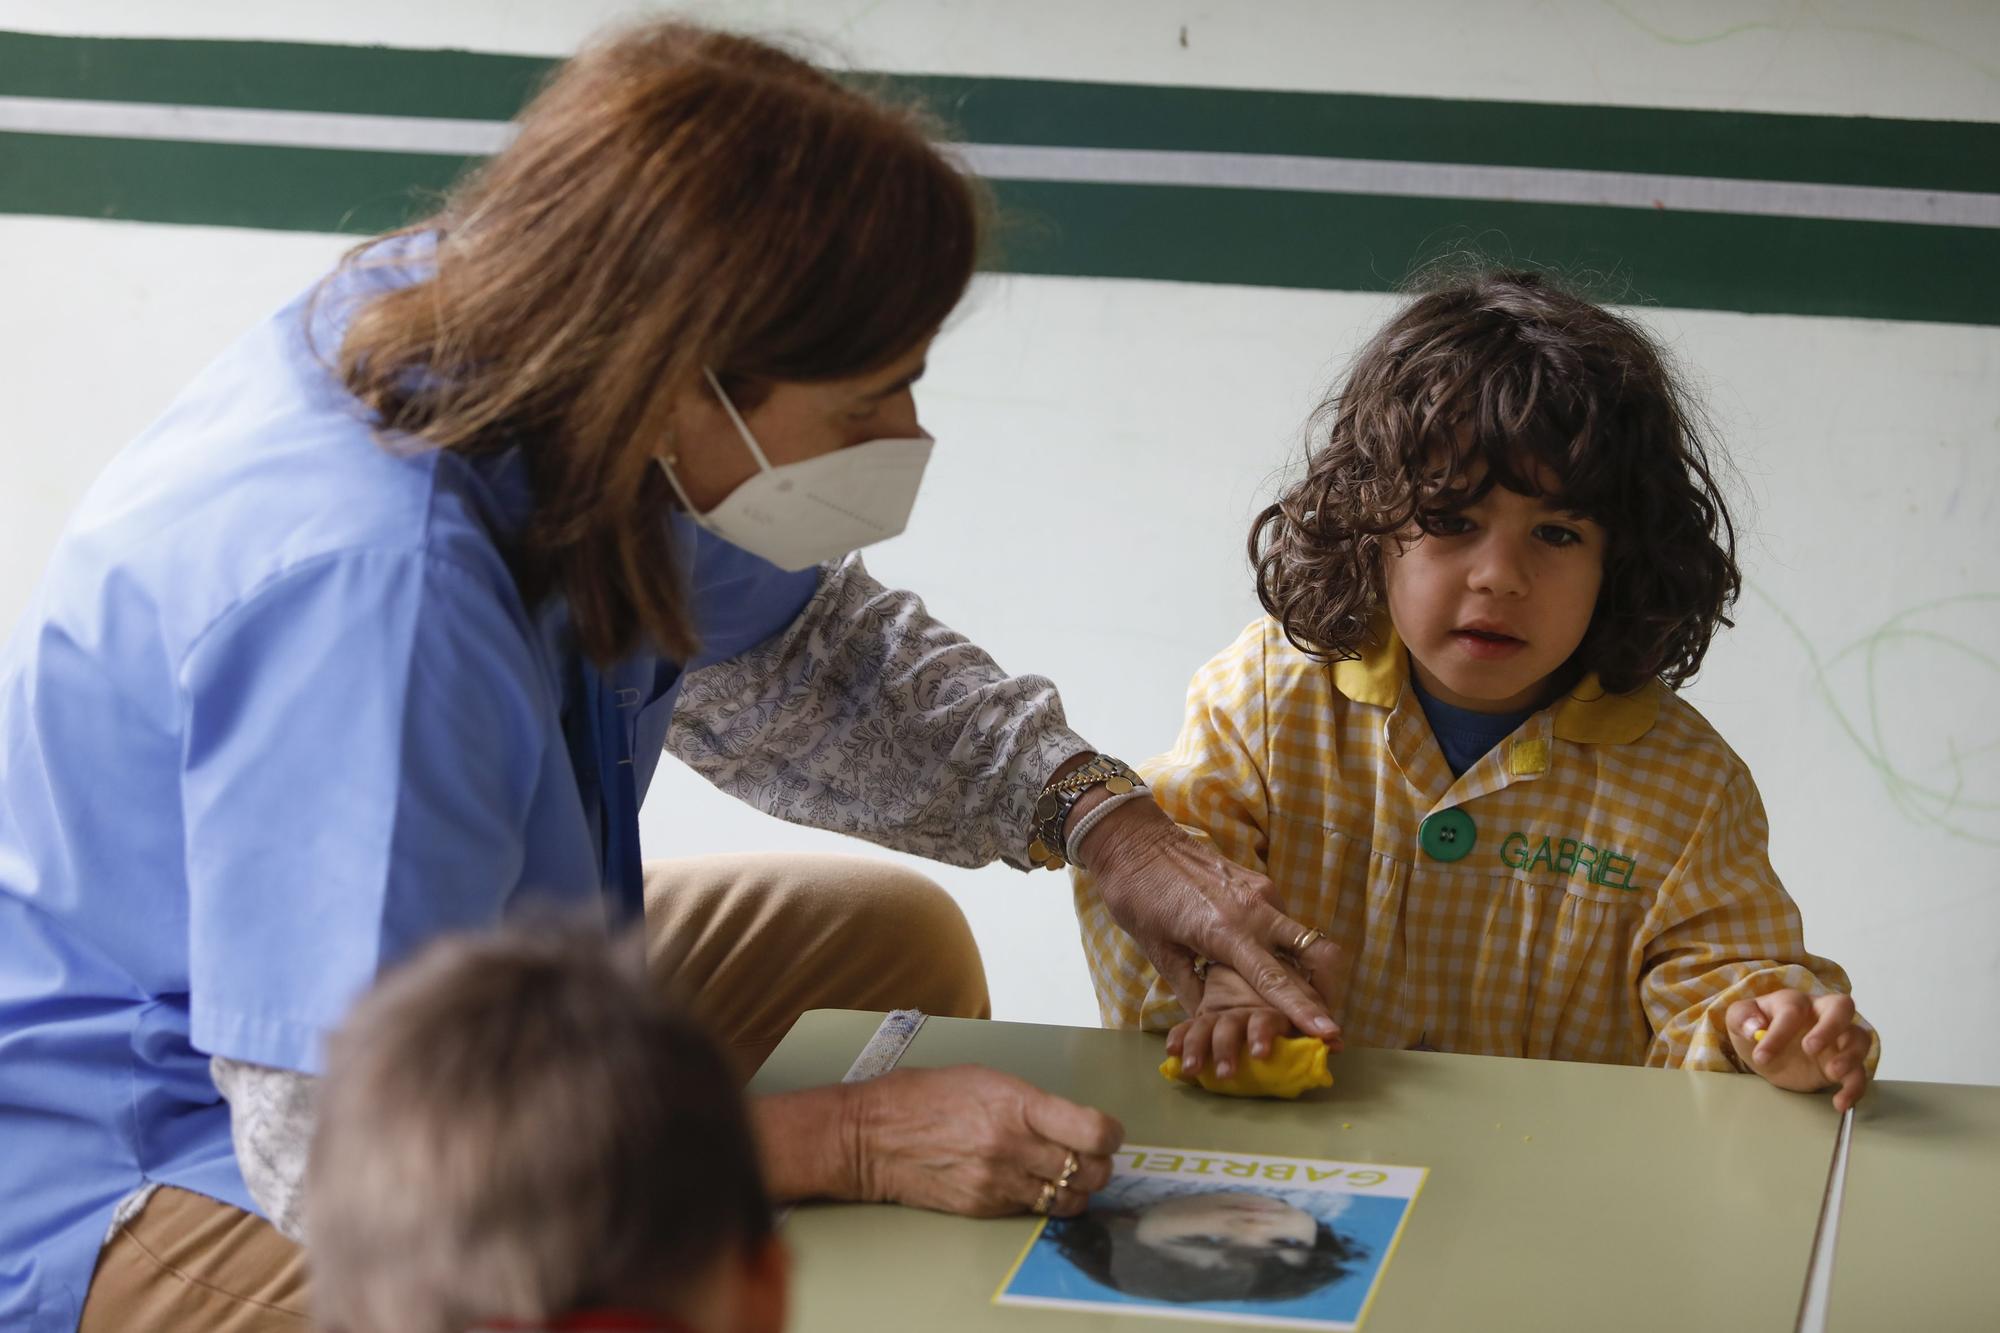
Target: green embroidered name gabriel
{"x":1567,"y":855}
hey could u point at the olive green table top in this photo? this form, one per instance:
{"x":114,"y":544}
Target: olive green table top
{"x":1559,"y":1195}
{"x":1920,"y":1212}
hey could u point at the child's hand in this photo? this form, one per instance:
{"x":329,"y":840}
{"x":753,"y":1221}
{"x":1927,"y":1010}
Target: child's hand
{"x":1219,"y":1035}
{"x":1810,"y":1042}
{"x":1231,"y":1015}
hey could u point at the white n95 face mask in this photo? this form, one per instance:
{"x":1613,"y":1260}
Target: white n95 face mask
{"x":803,"y":514}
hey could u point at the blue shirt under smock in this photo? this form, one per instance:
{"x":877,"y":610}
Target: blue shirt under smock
{"x":1464,"y":736}
{"x":275,"y":716}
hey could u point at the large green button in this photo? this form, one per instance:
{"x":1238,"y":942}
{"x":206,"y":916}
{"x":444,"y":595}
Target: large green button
{"x":1447,"y":835}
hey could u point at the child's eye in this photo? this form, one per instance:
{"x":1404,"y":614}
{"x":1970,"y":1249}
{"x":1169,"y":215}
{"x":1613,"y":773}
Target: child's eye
{"x":1556,"y":535}
{"x":1445,"y":524}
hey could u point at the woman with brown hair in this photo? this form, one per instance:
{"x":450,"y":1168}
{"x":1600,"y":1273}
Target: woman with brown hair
{"x":380,"y":631}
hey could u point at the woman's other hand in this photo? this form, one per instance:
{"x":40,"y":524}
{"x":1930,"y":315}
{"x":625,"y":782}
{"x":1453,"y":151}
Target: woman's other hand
{"x":1179,"y":899}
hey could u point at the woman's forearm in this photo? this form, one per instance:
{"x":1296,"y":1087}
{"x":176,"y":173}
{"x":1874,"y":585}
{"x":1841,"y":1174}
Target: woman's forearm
{"x":869,"y":717}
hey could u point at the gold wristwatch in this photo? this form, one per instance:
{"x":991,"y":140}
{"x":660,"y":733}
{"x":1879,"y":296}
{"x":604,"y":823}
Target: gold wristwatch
{"x":1052,"y":807}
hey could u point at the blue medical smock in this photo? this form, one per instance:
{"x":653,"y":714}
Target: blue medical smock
{"x":275,"y":716}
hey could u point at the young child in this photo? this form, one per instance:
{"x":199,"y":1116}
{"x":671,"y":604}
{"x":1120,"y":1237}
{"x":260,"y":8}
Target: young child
{"x":513,"y":1134}
{"x":1454,"y":744}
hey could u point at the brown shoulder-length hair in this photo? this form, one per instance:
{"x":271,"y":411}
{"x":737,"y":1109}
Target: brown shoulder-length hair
{"x":676,"y":198}
{"x":1501,"y":379}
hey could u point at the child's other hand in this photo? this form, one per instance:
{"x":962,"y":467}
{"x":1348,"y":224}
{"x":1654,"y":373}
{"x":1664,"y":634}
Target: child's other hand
{"x":1232,"y":1019}
{"x":1810,"y":1043}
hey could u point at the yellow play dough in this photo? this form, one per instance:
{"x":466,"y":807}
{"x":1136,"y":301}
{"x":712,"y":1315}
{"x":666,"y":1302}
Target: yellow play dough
{"x":1294,"y":1065}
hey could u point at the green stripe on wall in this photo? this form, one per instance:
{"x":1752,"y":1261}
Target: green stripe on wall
{"x":1942,"y":155}
{"x":1255,"y":237}
{"x":1840,"y":150}
{"x":1708,"y":261}
{"x":227,"y":185}
{"x":283,"y":76}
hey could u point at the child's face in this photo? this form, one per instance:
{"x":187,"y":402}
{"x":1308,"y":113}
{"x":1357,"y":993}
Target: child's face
{"x":1494,"y":602}
{"x":1210,"y":1230}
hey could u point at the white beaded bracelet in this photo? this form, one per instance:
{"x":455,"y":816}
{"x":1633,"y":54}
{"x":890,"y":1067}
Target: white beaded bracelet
{"x":1073,"y":843}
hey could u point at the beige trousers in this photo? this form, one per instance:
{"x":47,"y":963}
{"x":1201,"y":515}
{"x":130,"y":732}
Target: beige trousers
{"x":749,"y":942}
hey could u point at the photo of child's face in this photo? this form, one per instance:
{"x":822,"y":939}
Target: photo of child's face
{"x":1214,"y":1230}
{"x":1206,"y":1245}
{"x":1239,"y":1239}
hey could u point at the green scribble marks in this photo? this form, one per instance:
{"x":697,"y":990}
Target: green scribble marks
{"x":1860,"y":29}
{"x":1673,"y":39}
{"x":1946,"y":807}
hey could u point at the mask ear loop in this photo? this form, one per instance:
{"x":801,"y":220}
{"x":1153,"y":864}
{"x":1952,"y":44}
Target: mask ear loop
{"x":670,"y":461}
{"x":667,"y":463}
{"x":741,"y":429}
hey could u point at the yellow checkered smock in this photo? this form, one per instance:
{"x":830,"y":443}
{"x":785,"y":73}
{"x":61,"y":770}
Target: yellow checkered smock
{"x":1615,"y":900}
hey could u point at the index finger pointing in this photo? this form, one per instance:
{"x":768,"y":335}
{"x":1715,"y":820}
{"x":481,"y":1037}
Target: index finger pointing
{"x":1251,"y":956}
{"x":1326,"y":970}
{"x":1281,"y":992}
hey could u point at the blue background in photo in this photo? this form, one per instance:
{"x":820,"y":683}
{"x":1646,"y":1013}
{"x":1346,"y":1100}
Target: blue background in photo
{"x":1368,"y":1220}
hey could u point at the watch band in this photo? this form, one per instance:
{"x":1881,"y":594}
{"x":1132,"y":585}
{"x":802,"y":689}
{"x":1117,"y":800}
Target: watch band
{"x":1059,"y":797}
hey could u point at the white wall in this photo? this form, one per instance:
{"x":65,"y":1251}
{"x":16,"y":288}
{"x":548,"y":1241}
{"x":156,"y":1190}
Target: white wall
{"x":1924,"y":58}
{"x":1151,"y":416}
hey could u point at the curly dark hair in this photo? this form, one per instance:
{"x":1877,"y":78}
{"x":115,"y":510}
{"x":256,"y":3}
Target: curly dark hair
{"x":1504,"y":378}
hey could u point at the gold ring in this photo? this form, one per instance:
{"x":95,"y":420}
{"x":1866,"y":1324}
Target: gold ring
{"x":1307,"y":938}
{"x":1049,"y":1188}
{"x":1070,"y":1165}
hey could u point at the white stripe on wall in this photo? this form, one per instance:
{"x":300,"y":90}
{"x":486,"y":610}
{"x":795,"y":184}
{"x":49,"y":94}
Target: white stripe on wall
{"x":275,"y":129}
{"x":1450,"y":180}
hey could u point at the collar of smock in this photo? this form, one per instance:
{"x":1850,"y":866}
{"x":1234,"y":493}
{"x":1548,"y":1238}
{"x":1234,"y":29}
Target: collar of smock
{"x":1587,"y":714}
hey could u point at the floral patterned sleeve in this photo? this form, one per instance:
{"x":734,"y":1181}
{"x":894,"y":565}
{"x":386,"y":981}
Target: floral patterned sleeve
{"x":867,"y":716}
